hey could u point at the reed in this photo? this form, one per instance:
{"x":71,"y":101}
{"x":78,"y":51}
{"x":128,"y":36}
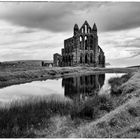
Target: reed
{"x":21,"y":118}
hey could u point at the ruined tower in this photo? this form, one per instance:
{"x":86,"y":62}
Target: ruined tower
{"x":82,"y":48}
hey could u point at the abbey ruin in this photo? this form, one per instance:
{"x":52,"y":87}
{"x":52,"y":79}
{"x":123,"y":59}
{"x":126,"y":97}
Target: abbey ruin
{"x":81,"y":49}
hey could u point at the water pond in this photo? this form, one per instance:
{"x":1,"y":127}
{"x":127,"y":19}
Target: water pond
{"x":76,"y":88}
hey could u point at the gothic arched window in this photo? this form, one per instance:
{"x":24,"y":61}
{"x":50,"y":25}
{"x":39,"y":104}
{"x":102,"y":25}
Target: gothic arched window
{"x":81,"y":58}
{"x":82,"y":30}
{"x":86,"y":58}
{"x":81,"y":42}
{"x":86,"y":29}
{"x":86,"y":44}
{"x":91,"y":42}
{"x":89,"y":30}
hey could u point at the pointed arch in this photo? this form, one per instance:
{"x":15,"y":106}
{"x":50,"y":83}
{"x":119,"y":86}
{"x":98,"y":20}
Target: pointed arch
{"x":86,"y":28}
{"x":86,"y":42}
{"x":89,"y":30}
{"x":81,"y":42}
{"x":80,"y":38}
{"x":91,"y":42}
{"x":82,"y":30}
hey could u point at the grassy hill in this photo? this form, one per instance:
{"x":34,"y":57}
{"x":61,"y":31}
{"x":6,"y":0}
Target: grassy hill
{"x":26,"y":62}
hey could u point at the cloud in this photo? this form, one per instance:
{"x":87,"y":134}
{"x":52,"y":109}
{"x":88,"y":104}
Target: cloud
{"x":116,"y":16}
{"x":120,"y":44}
{"x":36,"y":30}
{"x":49,"y":16}
{"x":61,"y":16}
{"x":134,"y":52}
{"x":22,"y":43}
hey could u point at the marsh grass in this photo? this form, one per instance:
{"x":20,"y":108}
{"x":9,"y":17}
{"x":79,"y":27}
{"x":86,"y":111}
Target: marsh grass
{"x":23,"y":117}
{"x":117,"y":123}
{"x":117,"y":82}
{"x":20,"y":119}
{"x":123,"y":120}
{"x":92,"y":108}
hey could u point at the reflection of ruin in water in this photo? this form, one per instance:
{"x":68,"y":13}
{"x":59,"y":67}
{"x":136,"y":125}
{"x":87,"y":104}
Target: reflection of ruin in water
{"x":81,"y":87}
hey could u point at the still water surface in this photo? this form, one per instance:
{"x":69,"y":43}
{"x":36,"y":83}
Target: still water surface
{"x":76,"y":87}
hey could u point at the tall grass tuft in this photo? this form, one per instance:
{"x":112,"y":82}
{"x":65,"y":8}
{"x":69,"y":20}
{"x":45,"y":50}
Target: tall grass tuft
{"x":117,"y":82}
{"x":92,"y":108}
{"x":20,"y":119}
{"x":23,"y":118}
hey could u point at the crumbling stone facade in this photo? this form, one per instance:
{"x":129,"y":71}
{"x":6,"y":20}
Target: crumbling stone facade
{"x":57,"y":60}
{"x":82,"y":48}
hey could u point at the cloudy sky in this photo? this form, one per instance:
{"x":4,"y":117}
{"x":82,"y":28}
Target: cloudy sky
{"x":36,"y":30}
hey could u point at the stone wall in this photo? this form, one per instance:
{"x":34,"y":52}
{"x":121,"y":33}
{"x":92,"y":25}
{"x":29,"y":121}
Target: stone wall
{"x":57,"y":60}
{"x":83,"y":48}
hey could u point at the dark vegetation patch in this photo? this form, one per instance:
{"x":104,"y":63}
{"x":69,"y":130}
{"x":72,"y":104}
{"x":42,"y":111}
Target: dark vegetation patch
{"x":134,"y":111}
{"x":101,"y":124}
{"x":113,"y":122}
{"x":91,"y":108}
{"x":135,"y":130}
{"x":117,"y":82}
{"x":3,"y":79}
{"x":21,"y":120}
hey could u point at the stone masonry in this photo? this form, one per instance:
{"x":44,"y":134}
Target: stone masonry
{"x":82,"y":49}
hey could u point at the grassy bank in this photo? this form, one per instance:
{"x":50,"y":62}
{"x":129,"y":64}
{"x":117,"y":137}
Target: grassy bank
{"x":25,"y":118}
{"x":114,"y":124}
{"x":123,"y":120}
{"x":22,"y":118}
{"x":102,"y":116}
{"x":30,"y":117}
{"x":15,"y":75}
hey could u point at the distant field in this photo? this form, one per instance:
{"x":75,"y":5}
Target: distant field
{"x":26,"y":62}
{"x":16,"y":72}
